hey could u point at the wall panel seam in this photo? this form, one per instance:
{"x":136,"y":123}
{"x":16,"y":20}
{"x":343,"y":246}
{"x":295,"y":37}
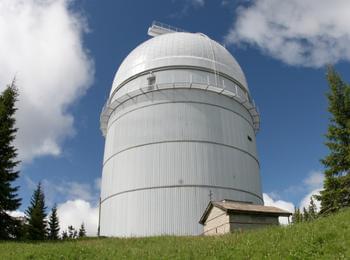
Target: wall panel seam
{"x":180,"y":186}
{"x":179,"y":102}
{"x":182,"y":141}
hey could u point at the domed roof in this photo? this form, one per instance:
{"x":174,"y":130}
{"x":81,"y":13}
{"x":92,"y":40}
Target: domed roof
{"x":179,"y":49}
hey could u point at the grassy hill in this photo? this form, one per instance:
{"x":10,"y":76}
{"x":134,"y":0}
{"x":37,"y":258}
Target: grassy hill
{"x":325,"y":238}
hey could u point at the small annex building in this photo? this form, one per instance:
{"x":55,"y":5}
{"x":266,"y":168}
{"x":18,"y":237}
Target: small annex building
{"x":226,"y":216}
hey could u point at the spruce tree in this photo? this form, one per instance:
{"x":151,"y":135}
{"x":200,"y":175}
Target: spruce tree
{"x":54,"y":226}
{"x":312,"y":209}
{"x":36,"y":215}
{"x":297,"y":216}
{"x":9,"y":201}
{"x":336,"y":192}
{"x":71,"y":232}
{"x":64,"y":235}
{"x":305,"y":215}
{"x":82,"y":232}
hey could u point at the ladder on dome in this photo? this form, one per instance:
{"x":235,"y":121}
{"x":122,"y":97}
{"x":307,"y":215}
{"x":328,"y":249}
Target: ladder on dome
{"x":158,"y":28}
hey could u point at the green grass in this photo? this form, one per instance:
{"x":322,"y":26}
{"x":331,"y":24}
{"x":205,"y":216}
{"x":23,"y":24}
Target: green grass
{"x":325,"y":238}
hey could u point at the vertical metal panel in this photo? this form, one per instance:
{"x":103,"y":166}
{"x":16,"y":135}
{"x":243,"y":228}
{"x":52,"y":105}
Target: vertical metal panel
{"x":163,"y":156}
{"x":173,"y":211}
{"x":167,"y":150}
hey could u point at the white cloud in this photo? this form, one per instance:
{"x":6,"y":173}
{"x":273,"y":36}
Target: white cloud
{"x":198,"y":2}
{"x":73,"y":190}
{"x":298,"y":32}
{"x":314,"y":184}
{"x":305,"y":202}
{"x":16,"y":213}
{"x":314,"y":180}
{"x":187,"y":6}
{"x":288,"y":206}
{"x":75,"y":212}
{"x":66,"y":190}
{"x":274,"y":195}
{"x":97,"y":184}
{"x":311,"y":185}
{"x":41,"y":43}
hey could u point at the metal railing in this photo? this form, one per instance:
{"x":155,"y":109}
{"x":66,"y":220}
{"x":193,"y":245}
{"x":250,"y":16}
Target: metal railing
{"x":167,"y":26}
{"x":109,"y":107}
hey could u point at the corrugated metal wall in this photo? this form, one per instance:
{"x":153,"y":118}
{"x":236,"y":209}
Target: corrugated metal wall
{"x":165,"y":151}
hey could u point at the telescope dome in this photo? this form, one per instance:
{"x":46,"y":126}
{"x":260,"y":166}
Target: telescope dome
{"x":182,"y":50}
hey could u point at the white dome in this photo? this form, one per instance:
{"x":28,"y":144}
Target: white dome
{"x":179,"y":49}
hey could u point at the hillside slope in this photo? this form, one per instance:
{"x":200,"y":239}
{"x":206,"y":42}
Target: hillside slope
{"x":325,"y":238}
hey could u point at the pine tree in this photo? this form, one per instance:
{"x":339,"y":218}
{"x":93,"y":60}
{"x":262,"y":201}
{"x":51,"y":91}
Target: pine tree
{"x":312,"y":209}
{"x":36,"y":214}
{"x":336,"y":192}
{"x":71,"y":232}
{"x":9,"y":227}
{"x":82,"y":232}
{"x":54,"y":226}
{"x":75,"y":234}
{"x":64,"y":235}
{"x":297,"y":216}
{"x":305,"y":215}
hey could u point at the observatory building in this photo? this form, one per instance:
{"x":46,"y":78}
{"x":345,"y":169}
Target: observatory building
{"x":180,"y":128}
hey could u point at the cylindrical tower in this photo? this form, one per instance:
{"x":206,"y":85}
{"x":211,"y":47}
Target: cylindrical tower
{"x":180,"y":130}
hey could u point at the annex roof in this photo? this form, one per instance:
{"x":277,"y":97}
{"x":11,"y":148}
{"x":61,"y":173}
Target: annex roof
{"x":230,"y":206}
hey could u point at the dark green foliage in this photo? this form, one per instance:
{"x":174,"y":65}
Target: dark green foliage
{"x":9,"y":226}
{"x":36,"y":214}
{"x":22,"y":229}
{"x":336,"y":193}
{"x":64,"y":235}
{"x":297,"y":216}
{"x":54,"y":225}
{"x":305,"y":215}
{"x":312,"y":210}
{"x":82,"y":231}
{"x":308,"y":214}
{"x":72,"y":233}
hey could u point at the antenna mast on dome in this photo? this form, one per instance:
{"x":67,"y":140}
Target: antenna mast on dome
{"x":158,"y":28}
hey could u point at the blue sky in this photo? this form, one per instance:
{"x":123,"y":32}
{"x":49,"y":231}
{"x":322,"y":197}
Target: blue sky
{"x":284,"y":62}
